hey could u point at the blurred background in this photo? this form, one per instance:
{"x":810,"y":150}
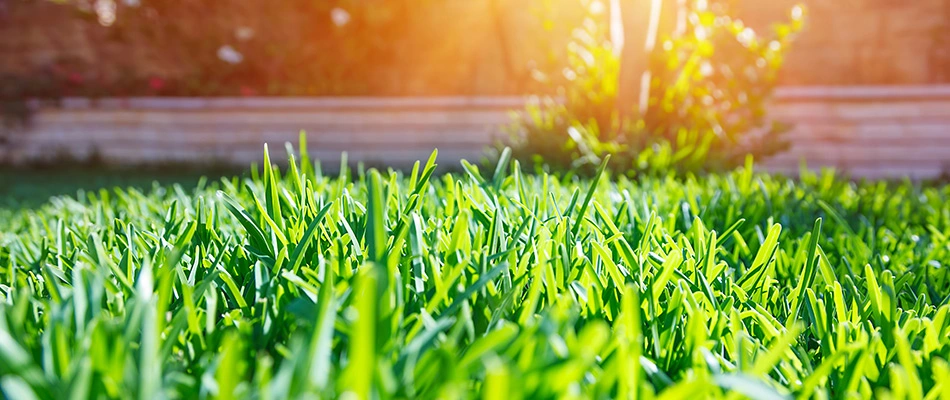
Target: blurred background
{"x":99,"y":92}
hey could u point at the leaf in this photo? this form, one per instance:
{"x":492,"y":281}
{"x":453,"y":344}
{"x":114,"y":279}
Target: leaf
{"x":590,"y":195}
{"x":375,"y":222}
{"x":748,"y":386}
{"x":296,"y":258}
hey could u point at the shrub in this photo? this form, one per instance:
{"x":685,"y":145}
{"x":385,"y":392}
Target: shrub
{"x":707,"y":102}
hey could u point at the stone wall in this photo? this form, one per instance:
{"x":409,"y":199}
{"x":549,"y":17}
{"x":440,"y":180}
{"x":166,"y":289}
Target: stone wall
{"x":868,"y":131}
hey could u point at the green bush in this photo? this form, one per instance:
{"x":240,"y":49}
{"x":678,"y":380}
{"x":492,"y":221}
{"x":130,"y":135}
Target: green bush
{"x":295,"y":284}
{"x":706,"y":111}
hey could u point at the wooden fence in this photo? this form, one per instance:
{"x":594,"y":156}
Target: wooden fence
{"x":873,"y":132}
{"x":870,"y":132}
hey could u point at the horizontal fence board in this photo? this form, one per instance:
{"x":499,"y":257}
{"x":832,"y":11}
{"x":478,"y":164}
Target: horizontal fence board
{"x":914,"y":172}
{"x":395,"y":159}
{"x":868,"y":153}
{"x":288,"y":103}
{"x":860,"y":111}
{"x":319,"y":117}
{"x":862,"y":93}
{"x":207,"y":137}
{"x":888,"y":134}
{"x":136,"y":148}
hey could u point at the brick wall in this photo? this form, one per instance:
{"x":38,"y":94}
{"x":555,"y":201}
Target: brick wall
{"x":39,"y":36}
{"x":868,"y":131}
{"x":850,"y":42}
{"x":451,"y":47}
{"x":845,"y":42}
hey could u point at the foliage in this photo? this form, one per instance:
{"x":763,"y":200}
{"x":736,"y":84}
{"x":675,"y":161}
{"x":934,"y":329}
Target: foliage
{"x":385,"y":285}
{"x":708,"y":94}
{"x":578,"y":124}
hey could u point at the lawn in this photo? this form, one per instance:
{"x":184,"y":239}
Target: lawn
{"x":487,"y":283}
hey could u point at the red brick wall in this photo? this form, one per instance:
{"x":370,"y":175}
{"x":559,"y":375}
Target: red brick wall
{"x":450,"y":47}
{"x":456,"y":49}
{"x":39,"y":36}
{"x":863,"y":41}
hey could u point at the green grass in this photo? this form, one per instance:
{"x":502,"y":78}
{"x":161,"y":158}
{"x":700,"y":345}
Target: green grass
{"x":489,"y":283}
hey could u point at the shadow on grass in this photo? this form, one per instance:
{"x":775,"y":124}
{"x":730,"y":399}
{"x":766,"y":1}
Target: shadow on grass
{"x":34,"y":186}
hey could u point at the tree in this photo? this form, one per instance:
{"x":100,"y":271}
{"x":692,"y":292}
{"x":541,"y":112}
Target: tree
{"x":641,"y":24}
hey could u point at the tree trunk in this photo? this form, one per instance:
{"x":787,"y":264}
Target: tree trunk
{"x":513,"y":75}
{"x":644,"y":22}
